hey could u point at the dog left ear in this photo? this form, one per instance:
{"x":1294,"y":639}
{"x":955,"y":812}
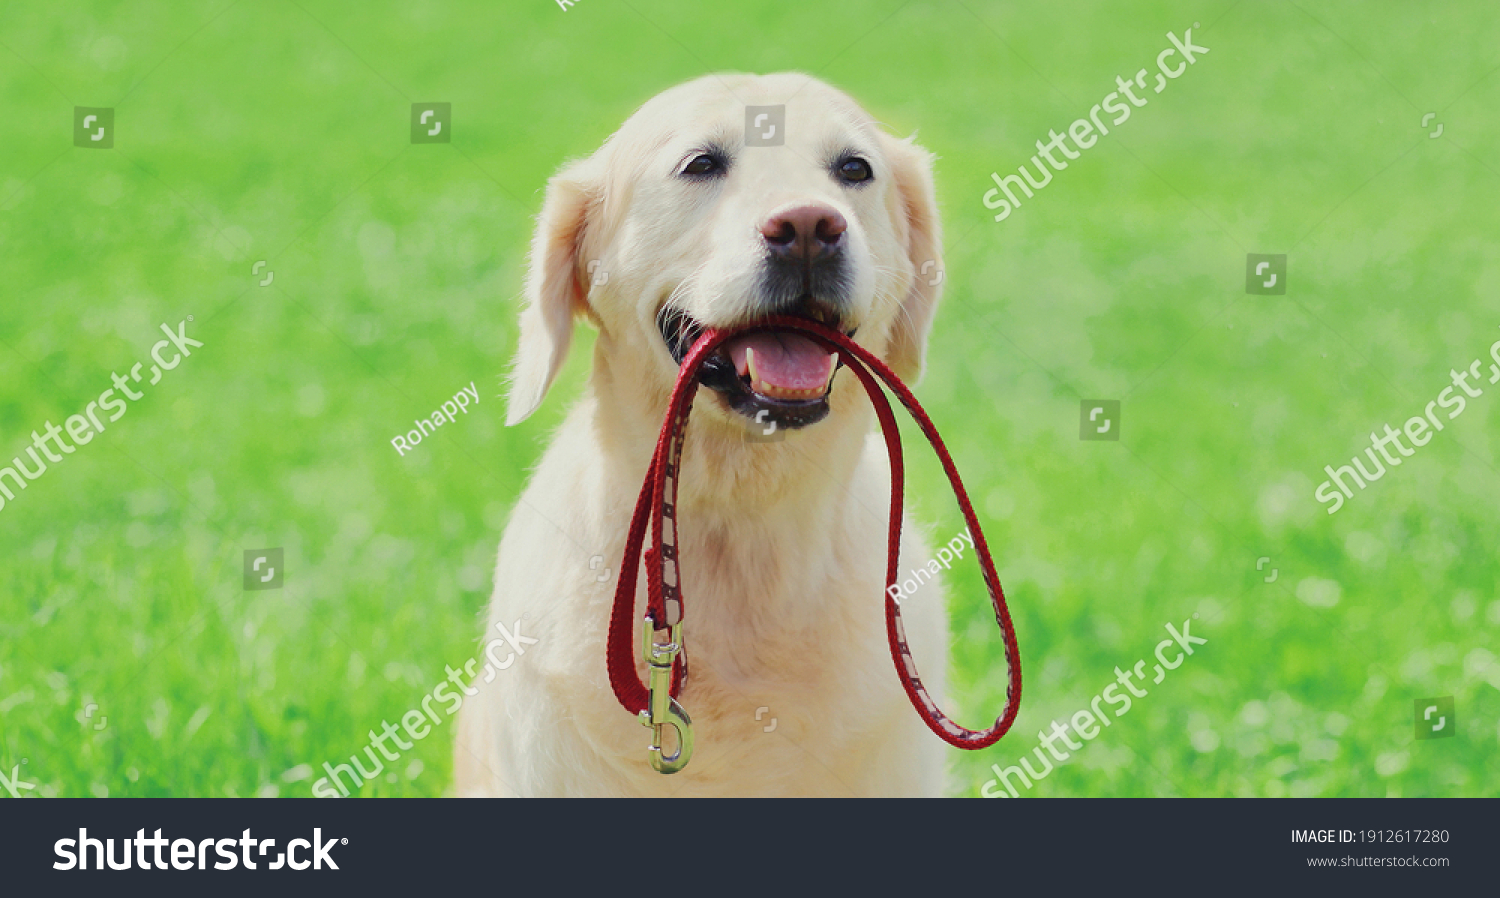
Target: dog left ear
{"x":916,"y":207}
{"x":556,"y":286}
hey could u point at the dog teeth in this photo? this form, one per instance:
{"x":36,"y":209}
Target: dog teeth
{"x":771,"y":390}
{"x":777,"y":392}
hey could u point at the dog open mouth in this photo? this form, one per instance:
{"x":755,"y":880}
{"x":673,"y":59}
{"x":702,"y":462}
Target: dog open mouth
{"x":767,"y":376}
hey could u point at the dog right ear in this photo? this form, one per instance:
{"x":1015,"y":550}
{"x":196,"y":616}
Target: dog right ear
{"x":556,"y":285}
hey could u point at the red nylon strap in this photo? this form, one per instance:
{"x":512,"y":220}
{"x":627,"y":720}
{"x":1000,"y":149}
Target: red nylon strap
{"x":657,"y":504}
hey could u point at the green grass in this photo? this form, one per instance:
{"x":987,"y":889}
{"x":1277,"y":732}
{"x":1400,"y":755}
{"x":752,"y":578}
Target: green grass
{"x":278,"y":132}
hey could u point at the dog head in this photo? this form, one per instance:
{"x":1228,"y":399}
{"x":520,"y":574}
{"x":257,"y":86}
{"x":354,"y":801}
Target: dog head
{"x":719,"y":203}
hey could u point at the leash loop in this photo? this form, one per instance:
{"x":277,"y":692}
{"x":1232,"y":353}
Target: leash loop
{"x":656,"y":704}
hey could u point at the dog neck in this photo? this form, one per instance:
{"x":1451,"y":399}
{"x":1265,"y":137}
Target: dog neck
{"x":766,"y":530}
{"x":758,"y":519}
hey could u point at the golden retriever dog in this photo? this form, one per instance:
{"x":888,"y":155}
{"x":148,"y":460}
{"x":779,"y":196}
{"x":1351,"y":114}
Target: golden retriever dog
{"x":697,"y":214}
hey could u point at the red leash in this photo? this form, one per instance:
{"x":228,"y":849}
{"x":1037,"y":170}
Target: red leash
{"x":656,"y":704}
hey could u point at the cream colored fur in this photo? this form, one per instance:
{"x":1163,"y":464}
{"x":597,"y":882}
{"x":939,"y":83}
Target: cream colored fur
{"x":783,"y":544}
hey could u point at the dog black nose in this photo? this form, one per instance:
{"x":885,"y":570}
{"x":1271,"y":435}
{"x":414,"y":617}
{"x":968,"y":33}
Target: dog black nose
{"x":805,"y":233}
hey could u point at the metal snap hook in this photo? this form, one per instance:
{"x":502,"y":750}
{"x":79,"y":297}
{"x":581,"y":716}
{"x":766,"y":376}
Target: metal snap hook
{"x":663,"y":710}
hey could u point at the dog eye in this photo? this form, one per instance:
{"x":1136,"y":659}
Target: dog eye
{"x":855,"y":170}
{"x":704,"y":165}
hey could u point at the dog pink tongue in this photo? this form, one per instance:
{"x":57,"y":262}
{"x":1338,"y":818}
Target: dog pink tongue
{"x":783,"y":365}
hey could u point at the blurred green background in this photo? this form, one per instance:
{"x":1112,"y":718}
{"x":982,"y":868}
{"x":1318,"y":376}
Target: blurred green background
{"x":279,"y":131}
